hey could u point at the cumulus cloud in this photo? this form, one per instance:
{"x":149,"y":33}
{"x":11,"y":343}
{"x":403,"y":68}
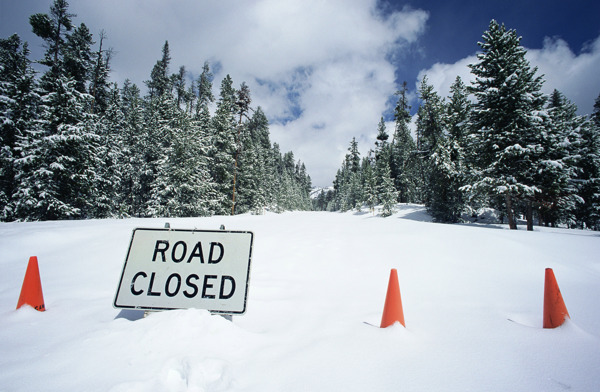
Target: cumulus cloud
{"x":319,"y":69}
{"x":575,"y":75}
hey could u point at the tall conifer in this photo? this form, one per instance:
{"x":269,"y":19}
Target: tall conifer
{"x":507,"y":120}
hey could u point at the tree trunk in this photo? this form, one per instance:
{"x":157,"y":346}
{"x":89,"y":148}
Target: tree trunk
{"x":509,"y":212}
{"x":529,"y":216}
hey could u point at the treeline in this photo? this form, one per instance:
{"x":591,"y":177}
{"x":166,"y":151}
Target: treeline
{"x":74,"y":145}
{"x":497,"y":143}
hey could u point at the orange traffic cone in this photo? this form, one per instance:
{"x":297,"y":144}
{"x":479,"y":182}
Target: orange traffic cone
{"x":31,"y":292}
{"x":555,"y":310}
{"x":392,"y":310}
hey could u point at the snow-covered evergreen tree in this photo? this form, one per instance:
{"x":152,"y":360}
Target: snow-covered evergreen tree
{"x":250,"y":173}
{"x":447,"y":168}
{"x":242,"y":137}
{"x":58,"y":173}
{"x":162,"y":126}
{"x":18,"y":113}
{"x":183,"y":186}
{"x":382,"y":154}
{"x":53,"y":29}
{"x":445,"y":202}
{"x":258,"y":127}
{"x":388,"y":195}
{"x":403,"y":149}
{"x":204,"y":83}
{"x":100,"y":87}
{"x":224,"y":146}
{"x":557,"y":165}
{"x":57,"y":178}
{"x":351,"y":193}
{"x":160,"y":82}
{"x":369,"y":186}
{"x":430,"y":134}
{"x":110,"y":157}
{"x":133,"y":185}
{"x":78,"y":63}
{"x":507,"y":119}
{"x":588,"y":180}
{"x":458,"y":113}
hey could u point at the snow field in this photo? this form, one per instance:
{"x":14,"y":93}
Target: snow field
{"x":317,"y":281}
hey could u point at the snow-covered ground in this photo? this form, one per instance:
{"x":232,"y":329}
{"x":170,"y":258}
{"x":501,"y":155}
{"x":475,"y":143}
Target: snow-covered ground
{"x":318,"y":281}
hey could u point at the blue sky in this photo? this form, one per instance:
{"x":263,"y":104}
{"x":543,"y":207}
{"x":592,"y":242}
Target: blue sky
{"x":454,"y":27}
{"x":324,"y":71}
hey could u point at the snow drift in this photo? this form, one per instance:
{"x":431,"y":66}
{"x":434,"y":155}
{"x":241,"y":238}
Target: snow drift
{"x":472,"y":298}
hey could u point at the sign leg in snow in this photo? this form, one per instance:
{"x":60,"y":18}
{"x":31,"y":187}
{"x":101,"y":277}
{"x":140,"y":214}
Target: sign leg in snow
{"x":179,"y":269}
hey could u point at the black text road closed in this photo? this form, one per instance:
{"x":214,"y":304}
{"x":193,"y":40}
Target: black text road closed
{"x":177,"y":269}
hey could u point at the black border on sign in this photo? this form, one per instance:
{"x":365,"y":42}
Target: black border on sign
{"x":192,"y":231}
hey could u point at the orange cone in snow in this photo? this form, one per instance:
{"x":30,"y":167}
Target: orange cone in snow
{"x":555,"y":310}
{"x":31,"y":292}
{"x":392,"y":310}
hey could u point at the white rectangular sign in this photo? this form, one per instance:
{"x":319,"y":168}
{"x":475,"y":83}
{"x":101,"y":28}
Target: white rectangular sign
{"x":179,"y":269}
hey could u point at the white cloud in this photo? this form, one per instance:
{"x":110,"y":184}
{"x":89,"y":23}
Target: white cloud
{"x":441,"y":76}
{"x":575,"y":75}
{"x":319,"y":69}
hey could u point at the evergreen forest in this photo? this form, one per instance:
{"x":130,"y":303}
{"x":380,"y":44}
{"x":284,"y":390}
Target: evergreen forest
{"x":74,"y":145}
{"x":498,"y":143}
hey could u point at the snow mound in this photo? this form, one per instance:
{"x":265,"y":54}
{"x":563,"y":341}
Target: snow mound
{"x":472,"y":299}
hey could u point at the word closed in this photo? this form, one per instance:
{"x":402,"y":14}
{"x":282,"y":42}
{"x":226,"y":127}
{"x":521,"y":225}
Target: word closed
{"x":175,"y":269}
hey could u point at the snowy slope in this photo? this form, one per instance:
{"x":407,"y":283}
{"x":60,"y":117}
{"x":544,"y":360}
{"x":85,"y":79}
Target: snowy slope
{"x":317,"y":280}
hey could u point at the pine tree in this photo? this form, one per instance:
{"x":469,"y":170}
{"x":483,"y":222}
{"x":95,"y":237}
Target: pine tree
{"x":445,"y":202}
{"x":556,"y":170}
{"x":224,"y":145}
{"x":18,"y":112}
{"x":369,"y":185}
{"x":160,"y":81}
{"x":178,"y":82}
{"x":402,"y":149}
{"x":353,"y":157}
{"x":204,"y":135}
{"x":507,"y":120}
{"x":348,"y":184}
{"x":354,"y":186}
{"x":242,"y":106}
{"x":458,"y":112}
{"x":100,"y":88}
{"x":382,"y":154}
{"x":250,"y":171}
{"x":430,"y":134}
{"x":588,"y":213}
{"x":304,"y":186}
{"x":381,"y":143}
{"x":78,"y":64}
{"x":430,"y":119}
{"x":58,"y":177}
{"x":257,"y":172}
{"x":132,"y":190}
{"x":447,"y":167}
{"x":183,"y":187}
{"x":53,"y":29}
{"x":387,"y":193}
{"x":110,"y":157}
{"x":205,"y":95}
{"x":161,"y":126}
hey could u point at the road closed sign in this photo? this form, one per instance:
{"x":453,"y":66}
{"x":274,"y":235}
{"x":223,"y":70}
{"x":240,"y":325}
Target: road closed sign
{"x":180,"y":269}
